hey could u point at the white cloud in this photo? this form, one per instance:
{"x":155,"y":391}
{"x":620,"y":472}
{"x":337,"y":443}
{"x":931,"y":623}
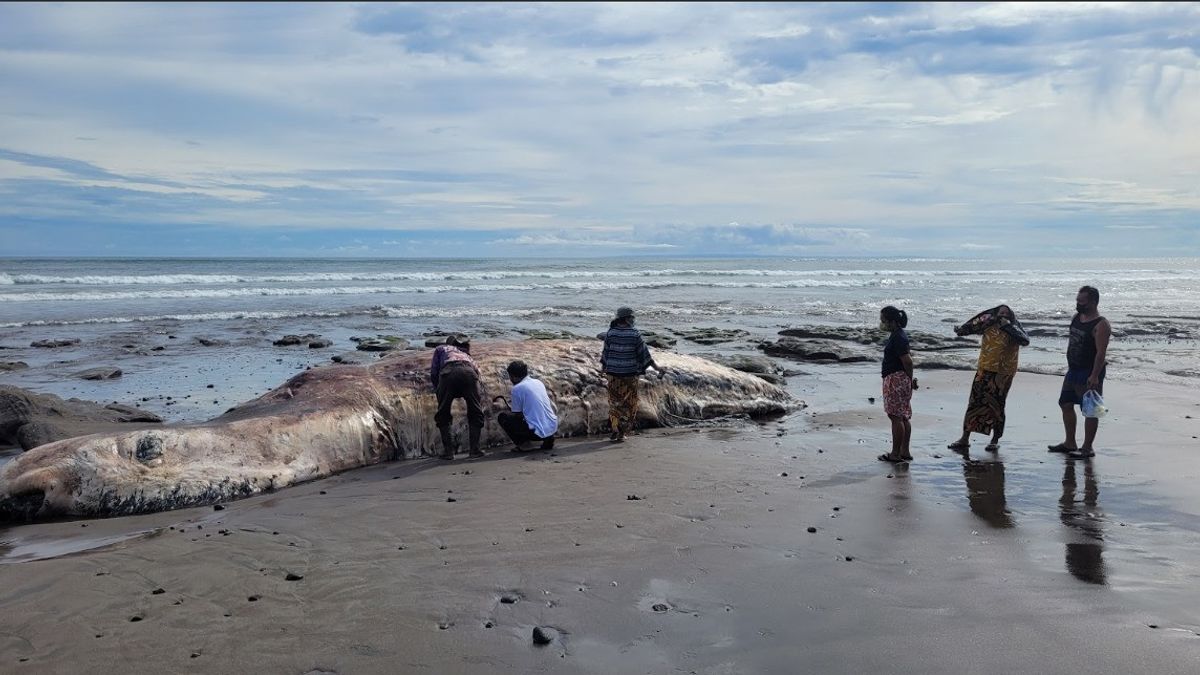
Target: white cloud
{"x":572,"y":242}
{"x":531,"y":120}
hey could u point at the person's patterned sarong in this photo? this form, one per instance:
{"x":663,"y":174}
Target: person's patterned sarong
{"x":985,"y":409}
{"x":622,"y":402}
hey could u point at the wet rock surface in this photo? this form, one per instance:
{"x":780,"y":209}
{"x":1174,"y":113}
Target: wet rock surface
{"x":290,"y":340}
{"x":850,"y":344}
{"x":8,"y":366}
{"x":711,"y":336}
{"x":658,"y":340}
{"x":920,"y":340}
{"x":381,"y":343}
{"x":814,"y":350}
{"x":101,"y":373}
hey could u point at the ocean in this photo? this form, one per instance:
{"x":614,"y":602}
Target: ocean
{"x":145,"y":316}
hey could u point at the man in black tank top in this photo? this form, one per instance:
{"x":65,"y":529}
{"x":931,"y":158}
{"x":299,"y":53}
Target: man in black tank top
{"x":1086,"y":351}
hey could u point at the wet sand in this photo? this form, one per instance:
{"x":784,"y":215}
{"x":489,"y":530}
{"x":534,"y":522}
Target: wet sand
{"x":1017,"y":562}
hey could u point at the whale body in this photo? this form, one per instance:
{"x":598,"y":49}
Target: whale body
{"x":333,"y":418}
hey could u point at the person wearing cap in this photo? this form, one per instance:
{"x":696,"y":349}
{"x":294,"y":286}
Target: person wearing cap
{"x":455,"y":375}
{"x":532,"y":416}
{"x":624,"y":358}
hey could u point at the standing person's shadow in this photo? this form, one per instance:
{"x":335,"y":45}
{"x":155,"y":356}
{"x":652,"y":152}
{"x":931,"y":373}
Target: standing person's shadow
{"x":1085,"y":542}
{"x":985,"y":492}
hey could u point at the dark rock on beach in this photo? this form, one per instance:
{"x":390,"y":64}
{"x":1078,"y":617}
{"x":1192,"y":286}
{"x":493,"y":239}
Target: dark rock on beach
{"x":102,"y":373}
{"x":544,"y":635}
{"x":813,"y":350}
{"x":381,"y":343}
{"x":290,"y":340}
{"x":29,"y":420}
{"x":8,"y":366}
{"x":320,"y":343}
{"x":212,"y":342}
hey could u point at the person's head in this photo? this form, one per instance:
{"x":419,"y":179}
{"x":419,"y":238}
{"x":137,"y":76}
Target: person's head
{"x":1087,"y":300}
{"x":624,"y":316}
{"x":517,"y":371}
{"x":462,"y":342}
{"x":891,"y":318}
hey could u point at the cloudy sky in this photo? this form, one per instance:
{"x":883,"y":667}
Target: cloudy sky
{"x":491,"y":129}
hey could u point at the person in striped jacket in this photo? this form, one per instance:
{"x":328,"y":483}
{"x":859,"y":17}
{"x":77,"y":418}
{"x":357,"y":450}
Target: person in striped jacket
{"x":624,"y":359}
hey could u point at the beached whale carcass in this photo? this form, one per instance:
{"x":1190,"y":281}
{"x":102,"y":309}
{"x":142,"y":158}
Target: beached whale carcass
{"x":339,"y":417}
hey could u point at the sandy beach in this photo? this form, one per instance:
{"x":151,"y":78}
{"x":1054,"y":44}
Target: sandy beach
{"x":780,"y":546}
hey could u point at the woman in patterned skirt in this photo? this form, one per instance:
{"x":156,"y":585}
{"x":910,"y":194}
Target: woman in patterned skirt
{"x":1003,"y":338}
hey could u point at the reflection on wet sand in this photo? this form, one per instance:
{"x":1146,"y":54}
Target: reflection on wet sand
{"x":1085,"y":542}
{"x":985,"y":492}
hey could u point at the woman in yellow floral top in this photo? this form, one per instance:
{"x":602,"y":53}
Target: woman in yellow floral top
{"x":1003,"y":338}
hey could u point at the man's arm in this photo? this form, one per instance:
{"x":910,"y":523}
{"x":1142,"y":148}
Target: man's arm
{"x":518,"y":400}
{"x":1103,"y":332}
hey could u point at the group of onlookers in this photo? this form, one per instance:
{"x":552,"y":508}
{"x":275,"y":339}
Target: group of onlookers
{"x":1003,"y":336}
{"x":532,"y":416}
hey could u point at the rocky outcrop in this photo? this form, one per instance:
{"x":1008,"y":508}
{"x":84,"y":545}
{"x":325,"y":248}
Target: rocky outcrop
{"x":814,"y":350}
{"x":920,"y":340}
{"x":712,"y":336}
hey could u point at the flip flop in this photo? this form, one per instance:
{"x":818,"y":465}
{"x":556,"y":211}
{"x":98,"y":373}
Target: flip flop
{"x":1081,"y":454}
{"x":1060,"y":448}
{"x":992,"y":447}
{"x":888,"y":458}
{"x":957,"y":446}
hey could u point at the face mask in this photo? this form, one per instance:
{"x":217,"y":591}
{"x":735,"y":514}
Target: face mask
{"x":1080,"y":308}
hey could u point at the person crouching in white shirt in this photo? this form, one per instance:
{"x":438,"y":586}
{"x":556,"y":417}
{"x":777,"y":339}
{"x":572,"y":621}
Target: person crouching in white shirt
{"x":532,"y":415}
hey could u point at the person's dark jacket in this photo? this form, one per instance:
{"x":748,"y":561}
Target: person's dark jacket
{"x":625,"y":352}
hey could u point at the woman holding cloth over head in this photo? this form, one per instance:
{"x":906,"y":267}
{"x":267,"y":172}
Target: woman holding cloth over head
{"x":1003,"y":337}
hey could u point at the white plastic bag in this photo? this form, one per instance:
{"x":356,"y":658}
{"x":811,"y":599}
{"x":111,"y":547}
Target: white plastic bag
{"x":1092,"y":404}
